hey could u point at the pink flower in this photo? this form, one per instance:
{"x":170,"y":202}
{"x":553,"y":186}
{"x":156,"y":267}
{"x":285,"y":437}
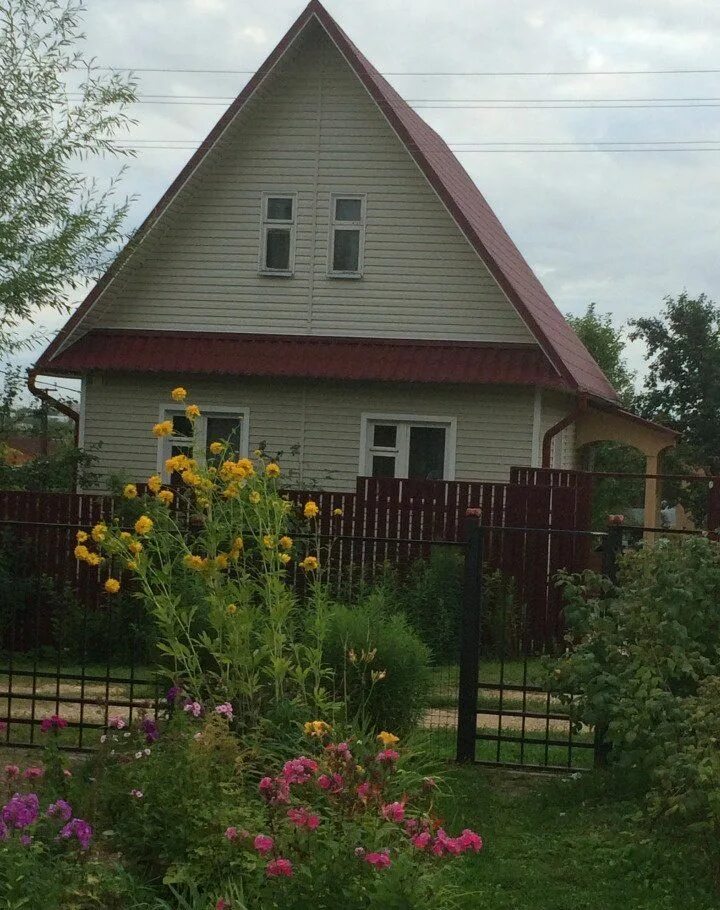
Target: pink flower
{"x":279,"y":867}
{"x":33,"y":773}
{"x":193,"y":707}
{"x":11,"y":771}
{"x":421,"y":840}
{"x":299,"y":770}
{"x":3,"y":726}
{"x":469,"y":840}
{"x":387,"y":757}
{"x":333,"y":783}
{"x":342,"y":750}
{"x":363,"y":791}
{"x":263,"y":844}
{"x":274,"y":791}
{"x":117,"y":722}
{"x":393,"y":812}
{"x":222,"y":904}
{"x":54,"y":722}
{"x":231,"y":833}
{"x":380,"y":860}
{"x":303,"y":818}
{"x":225,"y":710}
{"x":67,"y":773}
{"x":137,"y":794}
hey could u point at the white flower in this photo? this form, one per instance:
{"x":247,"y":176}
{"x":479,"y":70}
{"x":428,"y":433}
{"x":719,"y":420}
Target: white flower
{"x":137,"y":794}
{"x":146,"y":751}
{"x":103,"y":738}
{"x":125,"y":735}
{"x":138,"y":755}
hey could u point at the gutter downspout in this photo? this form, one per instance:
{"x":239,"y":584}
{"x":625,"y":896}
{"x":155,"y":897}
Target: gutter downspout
{"x":60,"y":406}
{"x":550,"y":434}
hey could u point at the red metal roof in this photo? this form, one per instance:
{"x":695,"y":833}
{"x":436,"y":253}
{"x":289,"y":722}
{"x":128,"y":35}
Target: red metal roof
{"x":454,"y":186}
{"x":311,"y":357}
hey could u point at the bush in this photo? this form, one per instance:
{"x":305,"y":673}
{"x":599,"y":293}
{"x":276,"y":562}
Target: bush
{"x":381,"y":667}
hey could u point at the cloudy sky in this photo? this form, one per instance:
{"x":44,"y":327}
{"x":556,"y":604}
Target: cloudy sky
{"x":599,"y":213}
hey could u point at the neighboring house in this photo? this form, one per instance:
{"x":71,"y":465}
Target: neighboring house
{"x":326,"y":278}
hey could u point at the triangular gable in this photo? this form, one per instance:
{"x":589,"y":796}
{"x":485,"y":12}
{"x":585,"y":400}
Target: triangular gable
{"x":451,"y":183}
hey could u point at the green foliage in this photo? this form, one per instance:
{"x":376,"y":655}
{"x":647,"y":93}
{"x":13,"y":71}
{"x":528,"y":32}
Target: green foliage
{"x":606,"y":342}
{"x":381,"y":667}
{"x":640,"y":649}
{"x":56,"y":225}
{"x":60,"y":472}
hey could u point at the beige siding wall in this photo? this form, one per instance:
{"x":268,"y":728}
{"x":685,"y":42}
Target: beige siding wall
{"x":494,"y":424}
{"x":554,"y":408}
{"x":312,"y":129}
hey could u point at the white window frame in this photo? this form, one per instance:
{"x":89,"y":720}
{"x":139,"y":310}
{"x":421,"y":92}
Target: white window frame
{"x":165,"y":443}
{"x":402,"y":447}
{"x":347,"y":226}
{"x":266,"y":225}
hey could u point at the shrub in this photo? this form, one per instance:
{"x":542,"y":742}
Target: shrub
{"x":381,"y":667}
{"x":640,"y":649}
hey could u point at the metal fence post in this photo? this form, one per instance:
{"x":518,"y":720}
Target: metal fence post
{"x":470,"y":641}
{"x":612,"y":548}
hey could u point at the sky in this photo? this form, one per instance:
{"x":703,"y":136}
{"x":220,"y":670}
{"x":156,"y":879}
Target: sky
{"x":621,"y":228}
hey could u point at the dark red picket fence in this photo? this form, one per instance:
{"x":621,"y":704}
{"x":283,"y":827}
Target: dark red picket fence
{"x":384,"y":522}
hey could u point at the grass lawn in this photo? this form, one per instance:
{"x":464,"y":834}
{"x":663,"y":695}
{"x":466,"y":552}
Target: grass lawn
{"x":565,"y":844}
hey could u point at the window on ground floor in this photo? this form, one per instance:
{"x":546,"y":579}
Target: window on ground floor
{"x":230,"y":426}
{"x":421,"y":448}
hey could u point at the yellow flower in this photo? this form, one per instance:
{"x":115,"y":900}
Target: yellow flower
{"x":132,"y":565}
{"x":285,"y":558}
{"x":254,"y":497}
{"x":311,"y":509}
{"x":98,"y":532}
{"x":388,"y":739}
{"x":125,"y":535}
{"x":337,"y":512}
{"x":154,"y":483}
{"x":203,"y":502}
{"x":286,"y":542}
{"x":144,"y":525}
{"x":268,"y":541}
{"x":112,"y":586}
{"x":232,"y":608}
{"x":237,"y":548}
{"x":164,"y":428}
{"x":246,"y":466}
{"x":221,"y":561}
{"x":130,"y":491}
{"x":81,"y":536}
{"x":135,"y":547}
{"x":81,"y":552}
{"x":179,"y":463}
{"x":191,"y":478}
{"x":316,"y":728}
{"x":166,"y":497}
{"x":272,"y":470}
{"x":93,"y":559}
{"x":258,"y":453}
{"x":216,"y":448}
{"x":193,"y":562}
{"x":309,"y":564}
{"x":231,"y":491}
{"x":192,"y":411}
{"x":178,"y":394}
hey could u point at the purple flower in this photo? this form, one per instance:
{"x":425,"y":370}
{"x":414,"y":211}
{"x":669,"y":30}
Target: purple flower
{"x":4,"y":833}
{"x":26,"y":840}
{"x":21,"y":811}
{"x":172,"y":695}
{"x":79,"y":828}
{"x":150,"y":729}
{"x":61,"y":810}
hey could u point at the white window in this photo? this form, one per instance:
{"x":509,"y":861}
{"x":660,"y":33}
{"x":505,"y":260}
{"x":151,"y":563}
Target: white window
{"x":277,"y":247}
{"x":347,"y":236}
{"x":421,"y":448}
{"x":230,"y":426}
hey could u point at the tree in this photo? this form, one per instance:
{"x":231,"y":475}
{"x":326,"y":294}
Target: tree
{"x":682,"y":385}
{"x":606,"y":342}
{"x":58,"y":227}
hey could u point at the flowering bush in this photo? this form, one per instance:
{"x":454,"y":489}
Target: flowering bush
{"x":209,"y":559}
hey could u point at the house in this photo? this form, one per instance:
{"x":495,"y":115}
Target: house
{"x":327,"y":279}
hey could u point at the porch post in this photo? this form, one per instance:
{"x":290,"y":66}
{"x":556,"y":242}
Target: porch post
{"x":652,"y":506}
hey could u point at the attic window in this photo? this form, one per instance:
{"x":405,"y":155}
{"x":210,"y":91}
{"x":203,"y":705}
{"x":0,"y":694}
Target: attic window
{"x":277,"y":253}
{"x":347,"y":236}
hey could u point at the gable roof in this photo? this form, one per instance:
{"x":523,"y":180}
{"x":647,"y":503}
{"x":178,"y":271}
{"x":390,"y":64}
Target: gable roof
{"x":450,"y":181}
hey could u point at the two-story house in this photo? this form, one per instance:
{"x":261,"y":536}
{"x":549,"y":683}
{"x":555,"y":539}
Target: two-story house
{"x":325,"y":277}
